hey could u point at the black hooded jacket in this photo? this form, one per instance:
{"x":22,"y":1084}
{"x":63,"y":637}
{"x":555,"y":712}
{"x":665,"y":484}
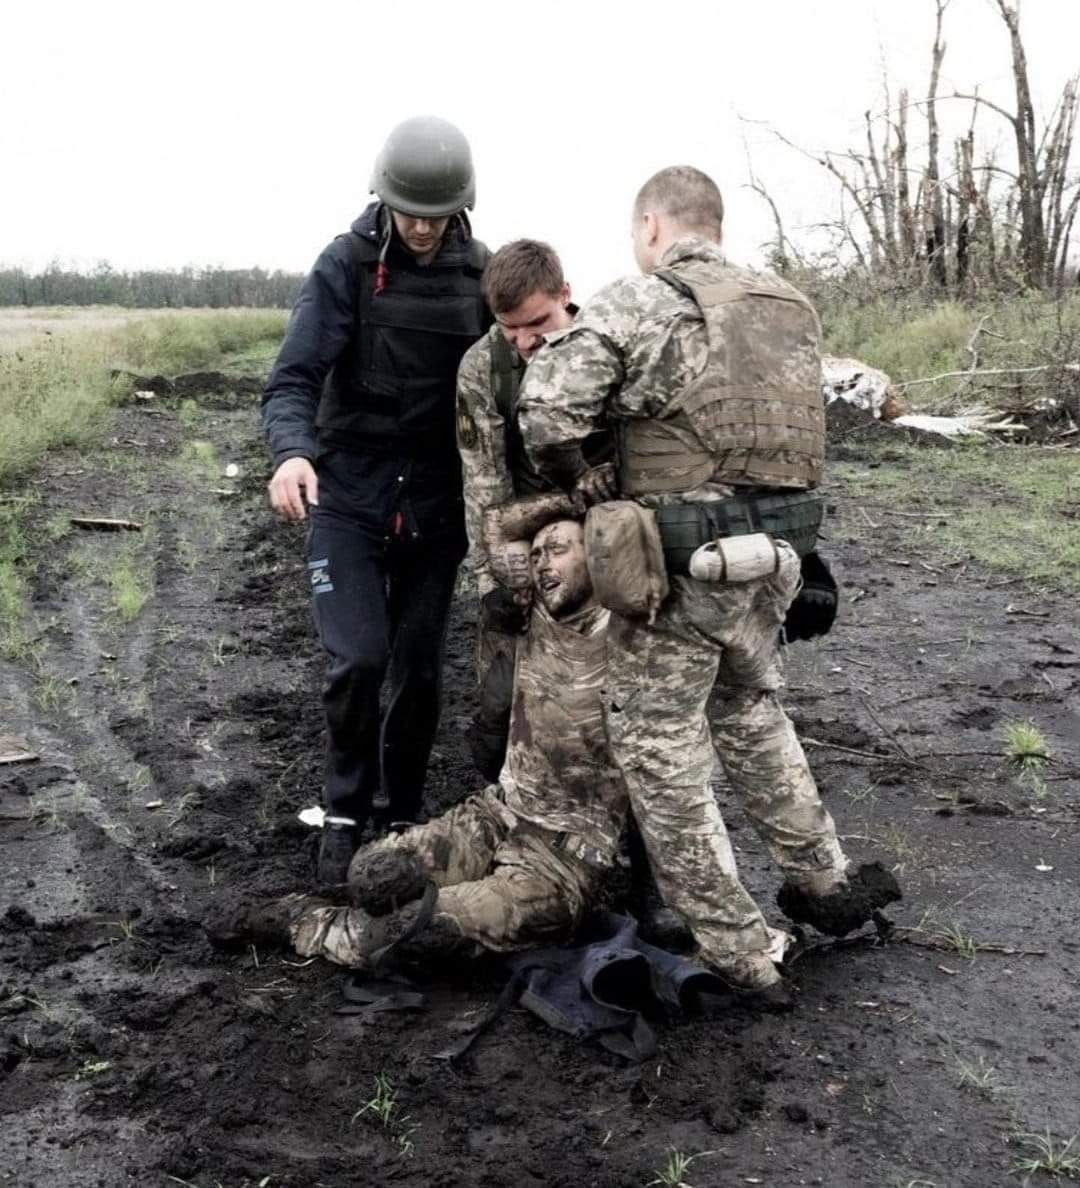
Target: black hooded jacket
{"x":368,"y":369}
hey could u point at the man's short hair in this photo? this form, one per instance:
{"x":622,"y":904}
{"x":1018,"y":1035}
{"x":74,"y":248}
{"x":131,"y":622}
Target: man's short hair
{"x":520,"y":269}
{"x":686,"y":195}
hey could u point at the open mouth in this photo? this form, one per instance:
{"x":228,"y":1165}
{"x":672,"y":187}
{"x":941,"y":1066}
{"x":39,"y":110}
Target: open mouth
{"x":547,"y":584}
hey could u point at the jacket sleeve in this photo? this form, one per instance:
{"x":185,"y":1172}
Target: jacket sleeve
{"x":566,"y":388}
{"x":482,"y":445}
{"x":318,"y":330}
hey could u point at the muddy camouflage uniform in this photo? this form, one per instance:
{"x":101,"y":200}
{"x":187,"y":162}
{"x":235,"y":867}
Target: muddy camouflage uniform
{"x":519,"y":864}
{"x":634,"y":348}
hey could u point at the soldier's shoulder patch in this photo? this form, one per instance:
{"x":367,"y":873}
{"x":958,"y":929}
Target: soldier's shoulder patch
{"x":467,"y":433}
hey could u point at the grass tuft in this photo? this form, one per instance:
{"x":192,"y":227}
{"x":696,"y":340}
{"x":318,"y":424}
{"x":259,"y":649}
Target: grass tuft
{"x":1045,"y":1155}
{"x":673,"y":1173}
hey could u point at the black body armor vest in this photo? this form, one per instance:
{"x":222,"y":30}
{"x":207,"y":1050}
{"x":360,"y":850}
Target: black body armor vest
{"x":393,"y":388}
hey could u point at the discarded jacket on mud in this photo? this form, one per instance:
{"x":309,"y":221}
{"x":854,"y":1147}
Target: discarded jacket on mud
{"x":603,"y":989}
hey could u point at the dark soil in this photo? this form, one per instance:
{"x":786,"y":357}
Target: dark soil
{"x":131,"y":1052}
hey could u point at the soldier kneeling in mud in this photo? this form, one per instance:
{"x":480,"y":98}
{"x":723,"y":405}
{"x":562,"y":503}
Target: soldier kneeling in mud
{"x":521,"y":863}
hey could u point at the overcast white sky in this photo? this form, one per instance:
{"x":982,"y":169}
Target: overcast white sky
{"x":242,"y":132}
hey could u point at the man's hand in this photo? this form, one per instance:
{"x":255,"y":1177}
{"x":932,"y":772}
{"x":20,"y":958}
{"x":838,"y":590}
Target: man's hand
{"x":597,"y":485}
{"x":506,"y":611}
{"x":294,"y":482}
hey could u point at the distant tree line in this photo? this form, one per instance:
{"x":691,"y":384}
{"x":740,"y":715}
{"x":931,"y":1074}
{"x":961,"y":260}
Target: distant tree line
{"x":215,"y":288}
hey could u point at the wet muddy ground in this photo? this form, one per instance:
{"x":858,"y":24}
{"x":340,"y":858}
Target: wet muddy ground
{"x":177,"y":744}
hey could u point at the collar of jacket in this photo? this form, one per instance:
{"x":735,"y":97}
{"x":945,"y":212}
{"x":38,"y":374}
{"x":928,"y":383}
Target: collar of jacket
{"x":452,"y":253}
{"x":692,"y":247}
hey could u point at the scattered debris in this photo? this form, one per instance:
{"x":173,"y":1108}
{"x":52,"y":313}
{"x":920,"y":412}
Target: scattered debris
{"x":865,"y":387}
{"x":976,"y":423}
{"x":313,"y":816}
{"x":1043,"y":868}
{"x":232,"y":470}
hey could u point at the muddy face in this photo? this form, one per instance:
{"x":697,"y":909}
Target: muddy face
{"x":559,"y":572}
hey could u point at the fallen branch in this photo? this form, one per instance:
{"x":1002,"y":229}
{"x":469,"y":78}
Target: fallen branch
{"x":816,"y":742}
{"x":941,"y":943}
{"x":933,"y":379}
{"x":103,"y":524}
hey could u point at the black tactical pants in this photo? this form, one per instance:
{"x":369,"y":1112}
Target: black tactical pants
{"x":381,"y":602}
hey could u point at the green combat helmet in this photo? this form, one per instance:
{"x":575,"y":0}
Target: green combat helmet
{"x":425,"y":169}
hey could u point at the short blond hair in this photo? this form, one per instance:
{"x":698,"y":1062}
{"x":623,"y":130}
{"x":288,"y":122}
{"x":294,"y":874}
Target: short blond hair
{"x":687,"y":196}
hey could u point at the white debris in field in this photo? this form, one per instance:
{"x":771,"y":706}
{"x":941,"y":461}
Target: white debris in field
{"x":313,"y":816}
{"x":854,"y":382}
{"x":971,"y":424}
{"x":146,"y":395}
{"x":232,"y":470}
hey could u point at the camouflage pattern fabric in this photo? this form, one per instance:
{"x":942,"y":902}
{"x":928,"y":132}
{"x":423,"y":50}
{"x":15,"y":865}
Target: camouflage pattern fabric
{"x":633,"y":350}
{"x":481,"y":433}
{"x":518,"y":864}
{"x":659,"y":680}
{"x":501,"y":886}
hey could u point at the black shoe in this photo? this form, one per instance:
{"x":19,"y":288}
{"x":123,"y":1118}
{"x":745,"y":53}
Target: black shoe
{"x":849,"y":907}
{"x":336,"y":848}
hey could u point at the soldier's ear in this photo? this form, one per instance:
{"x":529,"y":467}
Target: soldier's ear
{"x":564,"y":294}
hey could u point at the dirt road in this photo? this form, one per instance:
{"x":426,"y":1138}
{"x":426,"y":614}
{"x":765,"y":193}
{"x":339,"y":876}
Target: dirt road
{"x":178,"y":739}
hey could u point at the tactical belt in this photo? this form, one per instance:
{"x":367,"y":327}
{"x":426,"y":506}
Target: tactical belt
{"x":794,"y":516}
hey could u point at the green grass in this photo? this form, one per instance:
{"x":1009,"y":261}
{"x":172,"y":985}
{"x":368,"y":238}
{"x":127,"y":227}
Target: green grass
{"x":673,"y":1173}
{"x":14,"y":640}
{"x":910,"y":337}
{"x":1013,"y":509}
{"x":130,"y":583}
{"x":58,"y":392}
{"x":1047,"y":1156}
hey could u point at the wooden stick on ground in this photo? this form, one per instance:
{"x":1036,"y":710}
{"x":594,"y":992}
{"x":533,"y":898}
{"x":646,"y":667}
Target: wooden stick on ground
{"x":104,"y":524}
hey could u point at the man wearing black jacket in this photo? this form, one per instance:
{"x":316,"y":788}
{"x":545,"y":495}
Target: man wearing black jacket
{"x":359,"y":413}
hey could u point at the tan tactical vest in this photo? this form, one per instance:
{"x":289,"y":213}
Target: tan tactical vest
{"x":559,"y":774}
{"x":755,"y":416}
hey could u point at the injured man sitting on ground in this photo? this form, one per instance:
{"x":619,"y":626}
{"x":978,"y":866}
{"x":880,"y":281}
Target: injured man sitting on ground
{"x":521,"y":863}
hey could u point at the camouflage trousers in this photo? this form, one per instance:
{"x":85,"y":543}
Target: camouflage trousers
{"x":658,"y":683}
{"x":501,"y":886}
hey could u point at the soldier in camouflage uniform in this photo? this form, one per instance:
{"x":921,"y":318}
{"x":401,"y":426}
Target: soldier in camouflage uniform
{"x":643,"y":354}
{"x":528,"y":294}
{"x":518,"y":864}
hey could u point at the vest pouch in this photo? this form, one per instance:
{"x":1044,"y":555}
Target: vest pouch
{"x":625,"y":558}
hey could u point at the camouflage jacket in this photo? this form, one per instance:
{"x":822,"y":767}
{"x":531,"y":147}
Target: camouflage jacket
{"x":633,"y":348}
{"x":481,"y":433}
{"x":558,"y":774}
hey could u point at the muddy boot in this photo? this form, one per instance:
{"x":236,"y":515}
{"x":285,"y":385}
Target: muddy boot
{"x":385,"y":880}
{"x":264,"y":923}
{"x":337,"y":845}
{"x":849,"y":905}
{"x":658,"y":925}
{"x":755,"y":983}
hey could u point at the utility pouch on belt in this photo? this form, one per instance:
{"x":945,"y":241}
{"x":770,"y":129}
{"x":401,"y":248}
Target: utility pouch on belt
{"x":625,"y":558}
{"x":794,"y":516}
